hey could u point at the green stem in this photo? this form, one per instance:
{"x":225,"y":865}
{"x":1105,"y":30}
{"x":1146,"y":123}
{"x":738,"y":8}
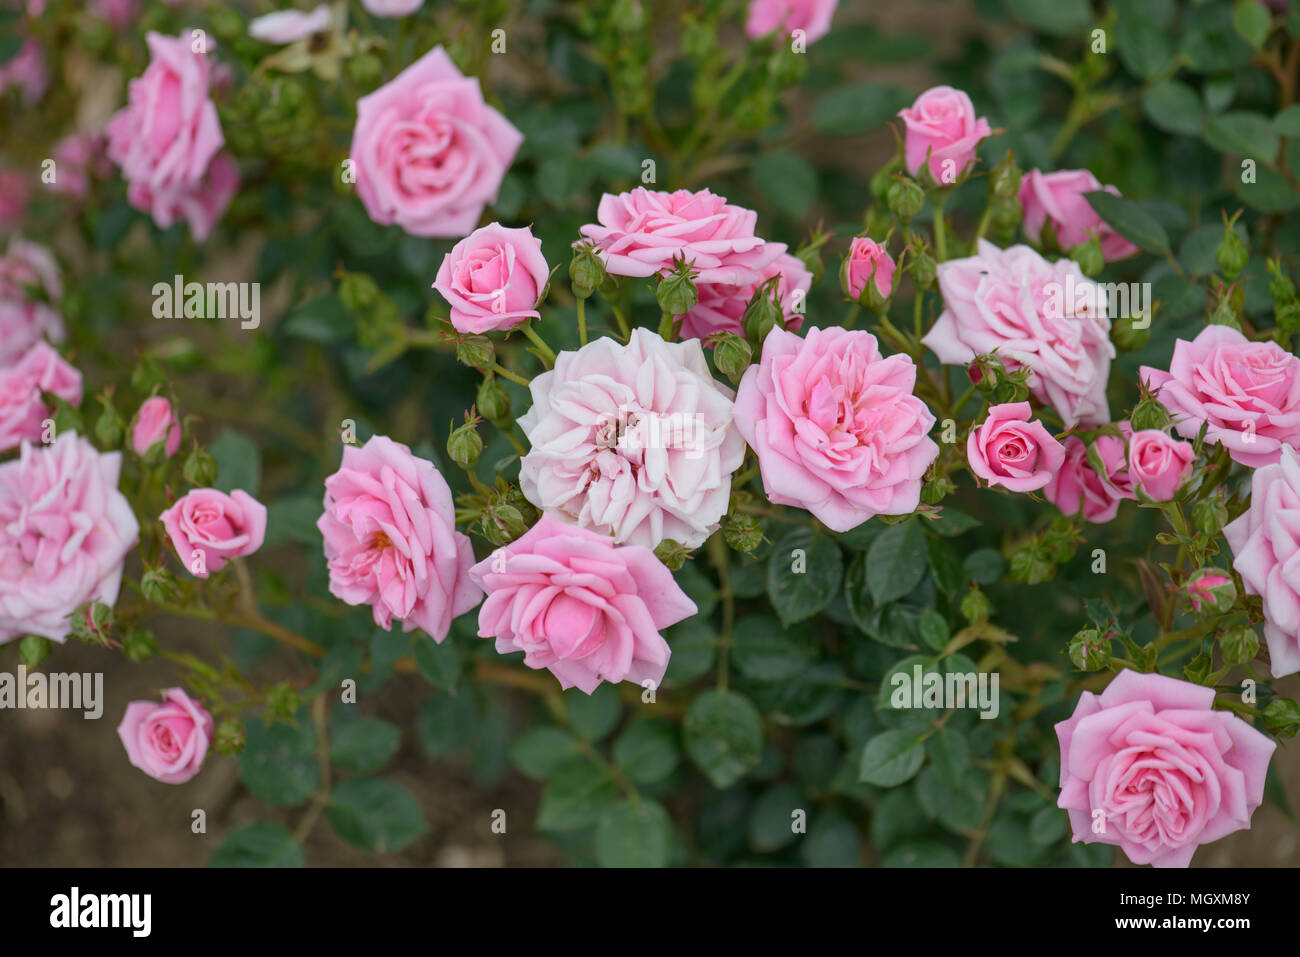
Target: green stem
{"x":505,"y":373}
{"x":582,"y":320}
{"x":546,"y":352}
{"x":940,"y":231}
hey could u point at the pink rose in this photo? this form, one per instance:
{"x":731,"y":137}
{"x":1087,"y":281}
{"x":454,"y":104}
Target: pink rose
{"x":154,"y":423}
{"x":641,"y":232}
{"x":1011,"y":450}
{"x":1077,"y":488}
{"x":1265,"y":541}
{"x":391,"y":541}
{"x":1047,"y":316}
{"x":1058,"y":198}
{"x":22,"y":408}
{"x":1159,"y":463}
{"x":207,"y":528}
{"x":634,"y":441}
{"x":868,"y":261}
{"x":286,"y":26}
{"x":392,"y":8}
{"x":26,"y":70}
{"x":66,"y":530}
{"x":167,"y":741}
{"x":577,"y":604}
{"x":941,"y":124}
{"x":1149,"y":765}
{"x":29,"y":283}
{"x":835,"y":426}
{"x":1246,"y":394}
{"x":1211,"y":589}
{"x":493,"y":279}
{"x":166,"y":139}
{"x":813,"y":17}
{"x":721,"y":307}
{"x":430,"y":154}
{"x":79,"y":156}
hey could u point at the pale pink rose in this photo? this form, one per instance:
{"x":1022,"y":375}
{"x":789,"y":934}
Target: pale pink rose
{"x":117,"y":13}
{"x":835,"y":426}
{"x":1265,"y":542}
{"x":641,"y":232}
{"x":29,"y":285}
{"x":27,"y":71}
{"x":1058,"y":199}
{"x":22,"y":408}
{"x":15,"y":194}
{"x":208,"y":528}
{"x":1159,"y":463}
{"x":392,"y":8}
{"x":1246,"y":394}
{"x":868,"y":260}
{"x":167,"y":741}
{"x":155,"y":422}
{"x":577,"y":604}
{"x":391,"y":541}
{"x":1151,"y":765}
{"x":1077,"y":488}
{"x":66,"y":531}
{"x":1012,"y":450}
{"x":286,"y":26}
{"x":941,"y":124}
{"x":168,"y":137}
{"x":1046,"y":316}
{"x":633,"y":441}
{"x":78,"y":157}
{"x":813,"y":17}
{"x":430,"y":154}
{"x":493,"y":279}
{"x":1211,"y":589}
{"x":721,"y":307}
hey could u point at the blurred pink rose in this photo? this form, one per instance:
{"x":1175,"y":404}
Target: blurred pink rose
{"x":286,"y":26}
{"x":640,"y":233}
{"x":577,"y":604}
{"x":721,"y":307}
{"x":1076,"y":488}
{"x":1015,"y":302}
{"x":430,"y":154}
{"x":155,"y":422}
{"x":835,"y":426}
{"x":493,"y":278}
{"x":1012,"y":450}
{"x":868,"y":261}
{"x":117,"y":13}
{"x":78,"y":157}
{"x":22,"y":408}
{"x":1211,"y":589}
{"x":27,"y":71}
{"x":634,"y":441}
{"x":166,"y":139}
{"x":167,"y":741}
{"x":942,"y":124}
{"x":391,"y":541}
{"x":1159,"y":463}
{"x":15,"y":193}
{"x":29,"y":284}
{"x":1057,"y":198}
{"x":1247,"y":394}
{"x":813,"y":17}
{"x":1150,"y":766}
{"x":1265,"y":541}
{"x":67,"y":530}
{"x":392,"y":8}
{"x":215,"y":526}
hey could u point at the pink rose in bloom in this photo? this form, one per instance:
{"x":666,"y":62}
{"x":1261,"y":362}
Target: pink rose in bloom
{"x":15,"y":193}
{"x":577,"y":604}
{"x":29,"y":283}
{"x":1076,"y":488}
{"x":392,"y":8}
{"x":155,"y":422}
{"x":640,"y":233}
{"x":633,"y":441}
{"x":66,"y":530}
{"x":868,"y":260}
{"x":1047,"y":316}
{"x":208,"y":527}
{"x":721,"y":307}
{"x":78,"y":157}
{"x":1151,"y":759}
{"x":813,"y":17}
{"x":1159,"y":463}
{"x":1211,"y":589}
{"x":22,"y":408}
{"x":391,"y":541}
{"x":166,"y":139}
{"x":1058,"y":198}
{"x":1246,"y":393}
{"x":835,"y":426}
{"x":493,"y":278}
{"x":167,"y":741}
{"x":942,"y":124}
{"x":286,"y":26}
{"x":1265,"y":541}
{"x":26,"y":70}
{"x":430,"y":154}
{"x":1011,"y":450}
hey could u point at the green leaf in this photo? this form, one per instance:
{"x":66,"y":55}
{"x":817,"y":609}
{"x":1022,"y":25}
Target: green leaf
{"x":593,"y":715}
{"x":1130,"y":220}
{"x":448,"y":723}
{"x":803,"y":574}
{"x":984,"y":565}
{"x":439,"y":662}
{"x":647,"y":751}
{"x":294,"y":520}
{"x":279,"y":763}
{"x":694,"y":647}
{"x":921,"y":854}
{"x":574,"y":796}
{"x":933,"y":629}
{"x":772,"y":816}
{"x":945,"y":565}
{"x":896,"y":562}
{"x":1058,"y":17}
{"x":636,"y":833}
{"x":1144,"y":48}
{"x":1174,"y":107}
{"x":724,"y":736}
{"x":239,"y":464}
{"x":857,"y":109}
{"x":375,"y":814}
{"x":949,"y":755}
{"x":890,"y":758}
{"x":787,"y":180}
{"x":1287,"y":123}
{"x":1048,"y":825}
{"x":1252,"y":21}
{"x":539,"y":751}
{"x":263,"y":844}
{"x":1245,"y":134}
{"x":1270,"y":192}
{"x":325,"y":320}
{"x":762,"y":649}
{"x":364,"y":745}
{"x":832,"y":841}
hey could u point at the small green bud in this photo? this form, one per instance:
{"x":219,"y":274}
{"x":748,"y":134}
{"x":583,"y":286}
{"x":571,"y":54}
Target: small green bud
{"x":200,"y":468}
{"x":743,"y":533}
{"x":465,"y":445}
{"x":93,"y":623}
{"x":139,"y":645}
{"x":1231,"y":254}
{"x":975,"y":606}
{"x":365,"y":69}
{"x":493,"y":400}
{"x":477,"y":352}
{"x":282,"y":702}
{"x":1031,"y":565}
{"x":502,"y":523}
{"x":676,"y":292}
{"x":1210,"y":514}
{"x":923,"y":269}
{"x":905,"y":197}
{"x":1004,"y":179}
{"x":936,"y":489}
{"x":1239,"y":646}
{"x":762,"y":314}
{"x":1089,"y":651}
{"x":358,"y":292}
{"x":33,"y":650}
{"x":1089,"y":256}
{"x":229,"y":739}
{"x":109,"y":428}
{"x":732,"y":355}
{"x":672,"y":554}
{"x":159,"y":586}
{"x":1225,"y":314}
{"x":586,"y":270}
{"x":1131,"y":333}
{"x":1148,"y":414}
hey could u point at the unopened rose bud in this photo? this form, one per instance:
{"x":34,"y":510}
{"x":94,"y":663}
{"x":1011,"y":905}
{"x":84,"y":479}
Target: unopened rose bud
{"x":1210,"y":514}
{"x":1089,"y":651}
{"x":760,"y":316}
{"x":1004,"y":178}
{"x":465,"y":445}
{"x":229,"y":738}
{"x":159,"y":586}
{"x":1131,"y":333}
{"x":1089,"y":256}
{"x":156,"y":425}
{"x":92,"y":623}
{"x":905,"y":197}
{"x":676,"y":293}
{"x":732,"y":355}
{"x":1210,"y":589}
{"x":923,"y":269}
{"x":200,"y":468}
{"x":502,"y":523}
{"x":1232,"y":254}
{"x":493,"y":401}
{"x":1031,"y":565}
{"x":139,"y":645}
{"x":477,"y":352}
{"x":936,"y":489}
{"x":586,"y":271}
{"x":672,"y":554}
{"x":1239,"y":646}
{"x":975,"y":606}
{"x":743,"y":533}
{"x":34,"y":651}
{"x":1225,"y":314}
{"x":1148,"y":414}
